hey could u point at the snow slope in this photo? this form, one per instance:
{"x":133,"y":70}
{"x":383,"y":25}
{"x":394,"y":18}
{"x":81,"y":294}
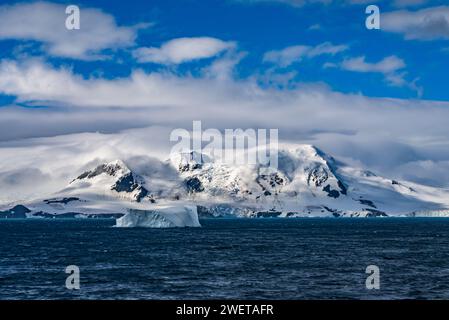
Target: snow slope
{"x":306,"y":183}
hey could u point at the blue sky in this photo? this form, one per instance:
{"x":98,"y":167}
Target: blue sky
{"x":258,"y":27}
{"x":376,"y":99}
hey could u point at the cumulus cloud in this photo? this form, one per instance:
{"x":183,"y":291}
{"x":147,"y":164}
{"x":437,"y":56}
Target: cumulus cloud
{"x":34,"y":81}
{"x":44,"y":23}
{"x":383,"y":134}
{"x":425,"y":24}
{"x":292,"y":54}
{"x":182,"y":50}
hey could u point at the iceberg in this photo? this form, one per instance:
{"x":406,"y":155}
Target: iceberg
{"x":168,"y":217}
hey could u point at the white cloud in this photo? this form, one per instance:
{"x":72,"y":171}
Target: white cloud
{"x":326,"y":48}
{"x":182,"y":50}
{"x":224,"y":67}
{"x":381,"y":134}
{"x":292,"y":54}
{"x":392,"y":68}
{"x":287,"y":56}
{"x":426,"y":24}
{"x":44,"y":22}
{"x":35,"y":81}
{"x":387,"y":65}
{"x":426,"y":171}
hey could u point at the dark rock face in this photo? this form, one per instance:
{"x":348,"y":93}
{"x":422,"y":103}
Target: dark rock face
{"x":67,"y":215}
{"x":125,"y":184}
{"x":194,"y":185}
{"x":375,"y":213}
{"x":128,"y":184}
{"x":42,"y":214}
{"x":394,"y":182}
{"x":142,"y":193}
{"x":104,"y":168}
{"x":61,"y":200}
{"x":331,"y":193}
{"x":105,"y":216}
{"x":273,"y":180}
{"x":204,"y":212}
{"x":219,"y":211}
{"x":189,"y":167}
{"x":343,"y":189}
{"x":367,"y":203}
{"x":268,"y":214}
{"x":318,"y":176}
{"x":18,"y":212}
{"x":190,"y":161}
{"x":319,"y":179}
{"x":334,"y":212}
{"x":72,"y":215}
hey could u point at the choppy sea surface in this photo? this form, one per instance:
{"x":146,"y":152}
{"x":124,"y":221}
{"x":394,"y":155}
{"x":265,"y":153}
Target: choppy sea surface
{"x":227,"y":259}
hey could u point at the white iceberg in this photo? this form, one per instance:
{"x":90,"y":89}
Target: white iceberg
{"x":168,"y":217}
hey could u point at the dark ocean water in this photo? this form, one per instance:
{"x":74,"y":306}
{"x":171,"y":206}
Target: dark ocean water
{"x":227,"y":259}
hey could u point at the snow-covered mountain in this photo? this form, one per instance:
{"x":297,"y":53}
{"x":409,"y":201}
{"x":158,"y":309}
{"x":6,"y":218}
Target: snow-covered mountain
{"x":307,"y":182}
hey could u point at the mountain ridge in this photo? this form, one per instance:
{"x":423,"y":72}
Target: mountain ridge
{"x":307,"y":182}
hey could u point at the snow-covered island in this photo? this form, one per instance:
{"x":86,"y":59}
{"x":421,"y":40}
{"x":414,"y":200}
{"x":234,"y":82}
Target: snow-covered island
{"x":179,"y":191}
